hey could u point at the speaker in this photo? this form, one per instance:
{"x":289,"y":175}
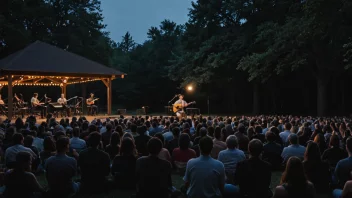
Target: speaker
{"x":168,"y":110}
{"x":140,"y":112}
{"x":193,"y":111}
{"x":121,"y":111}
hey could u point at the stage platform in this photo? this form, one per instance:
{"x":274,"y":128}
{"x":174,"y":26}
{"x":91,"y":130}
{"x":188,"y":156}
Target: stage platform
{"x":89,"y":118}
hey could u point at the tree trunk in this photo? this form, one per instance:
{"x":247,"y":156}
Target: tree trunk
{"x":256,"y":98}
{"x":322,"y":96}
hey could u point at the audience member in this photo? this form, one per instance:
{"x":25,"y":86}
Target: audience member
{"x":60,"y":170}
{"x":294,"y":149}
{"x":114,"y":147}
{"x":198,"y":179}
{"x":94,"y":165}
{"x":344,"y":166}
{"x":124,"y":165}
{"x":11,"y":152}
{"x":254,"y":175}
{"x":219,"y":145}
{"x":294,"y":182}
{"x":315,"y":169}
{"x":272,"y":151}
{"x":153,"y":174}
{"x":20,"y":182}
{"x":75,"y":142}
{"x":183,"y":153}
{"x":231,"y":157}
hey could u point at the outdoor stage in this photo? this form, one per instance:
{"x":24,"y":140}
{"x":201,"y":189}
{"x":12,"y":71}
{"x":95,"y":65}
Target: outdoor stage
{"x":89,"y":118}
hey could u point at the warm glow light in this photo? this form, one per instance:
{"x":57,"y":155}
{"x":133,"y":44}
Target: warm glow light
{"x":190,"y":88}
{"x":65,"y":81}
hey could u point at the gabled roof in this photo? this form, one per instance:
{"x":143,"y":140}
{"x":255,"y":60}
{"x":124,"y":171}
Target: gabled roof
{"x":40,"y":58}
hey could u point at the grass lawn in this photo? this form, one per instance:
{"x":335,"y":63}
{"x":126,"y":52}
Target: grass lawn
{"x":176,"y":180}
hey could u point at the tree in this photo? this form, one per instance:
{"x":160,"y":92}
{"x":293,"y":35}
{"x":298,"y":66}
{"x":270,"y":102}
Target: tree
{"x":127,"y":44}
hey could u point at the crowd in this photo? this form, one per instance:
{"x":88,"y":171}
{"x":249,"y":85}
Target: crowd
{"x":217,"y":156}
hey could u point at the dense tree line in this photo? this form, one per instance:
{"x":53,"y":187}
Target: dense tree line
{"x":267,"y":56}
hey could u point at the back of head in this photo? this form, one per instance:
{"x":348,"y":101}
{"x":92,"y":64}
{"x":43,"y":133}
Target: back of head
{"x":48,"y":144}
{"x":258,"y":130}
{"x":312,"y":152}
{"x":62,"y":144}
{"x":205,"y":145}
{"x":17,"y":138}
{"x":270,"y":136}
{"x":255,"y":147}
{"x":334,"y":141}
{"x":231,"y":142}
{"x":176,"y":132}
{"x":127,"y":147}
{"x":184,"y":141}
{"x":203,"y":132}
{"x":293,"y":138}
{"x":294,"y":174}
{"x":28,"y":141}
{"x":76,"y":132}
{"x":241,"y":128}
{"x":109,"y":127}
{"x":94,"y":139}
{"x":288,"y":126}
{"x":154,"y":146}
{"x":133,"y":128}
{"x":217,"y":133}
{"x":115,"y":139}
{"x":23,"y":160}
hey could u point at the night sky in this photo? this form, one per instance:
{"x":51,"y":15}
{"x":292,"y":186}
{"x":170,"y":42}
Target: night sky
{"x":137,"y":16}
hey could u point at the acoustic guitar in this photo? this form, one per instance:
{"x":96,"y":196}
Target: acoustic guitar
{"x":179,"y":107}
{"x":92,"y":101}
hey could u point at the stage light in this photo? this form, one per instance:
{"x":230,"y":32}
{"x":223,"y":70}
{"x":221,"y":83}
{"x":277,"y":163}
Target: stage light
{"x":190,"y":88}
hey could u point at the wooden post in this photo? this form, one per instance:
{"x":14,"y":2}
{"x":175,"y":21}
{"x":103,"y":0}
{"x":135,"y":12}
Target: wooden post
{"x":63,"y":89}
{"x":109,"y":92}
{"x":10,"y":99}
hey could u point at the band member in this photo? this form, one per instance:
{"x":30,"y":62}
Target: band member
{"x":90,"y":102}
{"x":38,"y":105}
{"x":63,"y":102}
{"x":180,"y":102}
{"x":1,"y":101}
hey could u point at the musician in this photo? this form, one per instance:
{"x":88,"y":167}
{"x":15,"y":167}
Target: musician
{"x":38,"y":105}
{"x":63,"y":102}
{"x":90,"y":102}
{"x":183,"y":104}
{"x":1,"y":101}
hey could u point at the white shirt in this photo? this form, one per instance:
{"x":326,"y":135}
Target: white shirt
{"x":182,"y":102}
{"x":62,"y":100}
{"x":34,"y":100}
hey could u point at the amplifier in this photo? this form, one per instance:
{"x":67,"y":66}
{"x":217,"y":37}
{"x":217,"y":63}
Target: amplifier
{"x":193,"y":111}
{"x":121,"y":111}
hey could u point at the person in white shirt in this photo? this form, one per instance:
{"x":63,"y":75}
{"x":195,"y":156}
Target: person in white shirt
{"x":180,"y":102}
{"x":37,"y":105}
{"x":62,"y":100}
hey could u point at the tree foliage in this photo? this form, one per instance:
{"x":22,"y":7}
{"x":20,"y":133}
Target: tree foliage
{"x":237,"y":52}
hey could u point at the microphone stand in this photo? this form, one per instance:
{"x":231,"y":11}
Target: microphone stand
{"x":172,"y":99}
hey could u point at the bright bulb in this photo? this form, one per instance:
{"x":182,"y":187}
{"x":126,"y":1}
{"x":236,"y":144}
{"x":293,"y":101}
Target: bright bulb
{"x":190,"y":88}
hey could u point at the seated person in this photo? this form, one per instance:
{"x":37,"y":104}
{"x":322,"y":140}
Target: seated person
{"x":94,"y":165}
{"x":20,"y":182}
{"x":60,"y":170}
{"x":124,"y":165}
{"x":153,"y":174}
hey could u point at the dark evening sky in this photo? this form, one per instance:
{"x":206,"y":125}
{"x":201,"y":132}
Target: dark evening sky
{"x":137,"y":16}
